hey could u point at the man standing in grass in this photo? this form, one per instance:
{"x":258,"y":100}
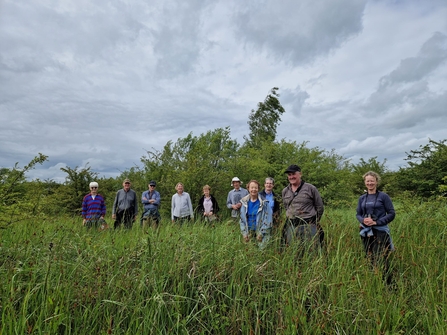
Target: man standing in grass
{"x":151,"y":201}
{"x":93,"y":207}
{"x":235,"y":196}
{"x":125,"y":206}
{"x":273,"y":199}
{"x":304,"y":208}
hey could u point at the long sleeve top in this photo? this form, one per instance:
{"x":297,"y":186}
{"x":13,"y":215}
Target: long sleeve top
{"x":146,"y":196}
{"x":93,"y":208}
{"x":125,"y":201}
{"x":305,"y":205}
{"x":181,"y":206}
{"x":234,"y":197}
{"x":378,"y":205}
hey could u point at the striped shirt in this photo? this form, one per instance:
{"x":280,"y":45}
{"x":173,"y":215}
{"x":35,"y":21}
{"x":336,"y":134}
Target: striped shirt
{"x":93,"y":208}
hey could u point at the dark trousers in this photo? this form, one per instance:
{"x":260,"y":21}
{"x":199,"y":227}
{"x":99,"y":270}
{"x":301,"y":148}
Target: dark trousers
{"x":182,"y":220}
{"x":302,"y":229}
{"x":377,"y":249}
{"x":124,"y":217}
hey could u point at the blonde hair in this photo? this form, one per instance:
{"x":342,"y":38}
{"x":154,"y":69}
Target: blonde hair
{"x":372,"y":174}
{"x":178,"y":185}
{"x":206,"y":187}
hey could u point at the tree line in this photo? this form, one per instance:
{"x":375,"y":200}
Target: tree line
{"x":213,"y":158}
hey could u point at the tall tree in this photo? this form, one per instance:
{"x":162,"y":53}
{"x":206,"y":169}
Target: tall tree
{"x":427,"y":168}
{"x":264,"y":121}
{"x":13,"y":208}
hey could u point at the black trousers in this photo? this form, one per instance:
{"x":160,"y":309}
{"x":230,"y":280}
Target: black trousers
{"x":182,"y":220}
{"x":124,"y":217}
{"x":377,"y":249}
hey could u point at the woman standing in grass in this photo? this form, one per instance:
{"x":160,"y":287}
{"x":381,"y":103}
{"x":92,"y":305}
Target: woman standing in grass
{"x":181,"y":206}
{"x":375,"y":211}
{"x":207,"y":207}
{"x":256,"y":216}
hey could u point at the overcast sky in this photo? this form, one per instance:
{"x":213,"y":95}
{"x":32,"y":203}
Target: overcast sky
{"x":99,"y":82}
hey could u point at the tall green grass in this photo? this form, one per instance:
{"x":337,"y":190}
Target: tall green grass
{"x":56,"y":277}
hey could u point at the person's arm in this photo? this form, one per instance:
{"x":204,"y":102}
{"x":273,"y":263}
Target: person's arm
{"x":172,"y":207}
{"x":103,"y":208}
{"x":156,"y":199}
{"x":267,"y":218}
{"x":115,"y":205}
{"x":135,"y":205}
{"x":200,"y":208}
{"x":360,"y":213}
{"x":84,"y":207}
{"x":318,"y":203}
{"x":243,"y":223}
{"x":145,"y":198}
{"x":389,"y":210}
{"x":229,"y":200}
{"x":191,"y":211}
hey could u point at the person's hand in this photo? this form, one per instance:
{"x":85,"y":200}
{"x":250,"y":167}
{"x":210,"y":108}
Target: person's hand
{"x":113,"y":216}
{"x":84,"y":222}
{"x":246,"y":238}
{"x":259,"y":238}
{"x":369,"y":222}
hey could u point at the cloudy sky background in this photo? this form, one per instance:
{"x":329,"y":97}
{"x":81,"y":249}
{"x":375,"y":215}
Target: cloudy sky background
{"x":99,"y":82}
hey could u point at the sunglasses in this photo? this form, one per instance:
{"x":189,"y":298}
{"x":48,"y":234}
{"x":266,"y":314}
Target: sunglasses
{"x":93,"y":187}
{"x":127,"y":183}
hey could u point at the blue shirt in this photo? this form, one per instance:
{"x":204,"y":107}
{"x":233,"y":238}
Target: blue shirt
{"x":252,"y":211}
{"x":269,"y":197}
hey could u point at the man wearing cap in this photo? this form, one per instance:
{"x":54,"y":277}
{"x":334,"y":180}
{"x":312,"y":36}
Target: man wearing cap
{"x":151,"y":202}
{"x":303,"y":205}
{"x":93,"y":207}
{"x":125,"y":206}
{"x":235,"y":196}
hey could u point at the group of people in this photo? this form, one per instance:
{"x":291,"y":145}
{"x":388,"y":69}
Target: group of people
{"x":258,"y":212}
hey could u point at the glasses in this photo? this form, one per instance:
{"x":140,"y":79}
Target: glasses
{"x":127,"y":183}
{"x":151,"y":185}
{"x":93,"y":187}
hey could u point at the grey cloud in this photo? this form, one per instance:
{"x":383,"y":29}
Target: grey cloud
{"x":432,"y":54}
{"x":298,"y":31}
{"x":294,"y":98}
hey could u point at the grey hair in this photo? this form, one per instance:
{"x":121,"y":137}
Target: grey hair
{"x":270,"y":179}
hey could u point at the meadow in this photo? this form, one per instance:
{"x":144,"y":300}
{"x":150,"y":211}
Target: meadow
{"x":57,"y":277}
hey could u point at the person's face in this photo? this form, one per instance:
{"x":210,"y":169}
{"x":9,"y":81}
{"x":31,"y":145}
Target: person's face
{"x":179,"y":188}
{"x":294,"y":177}
{"x":126,"y":186}
{"x":371,"y":183}
{"x":151,"y":188}
{"x":268,"y":186}
{"x":236,"y":184}
{"x":93,"y":190}
{"x":206,"y":192}
{"x":253,"y":189}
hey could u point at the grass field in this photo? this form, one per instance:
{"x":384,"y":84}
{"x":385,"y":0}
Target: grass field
{"x":56,"y":277}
